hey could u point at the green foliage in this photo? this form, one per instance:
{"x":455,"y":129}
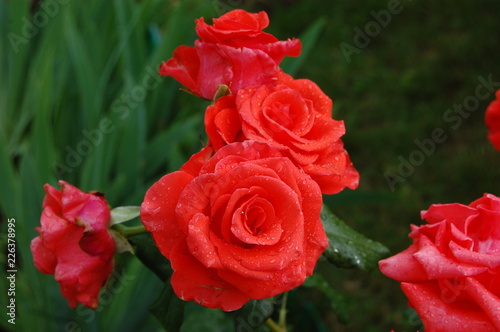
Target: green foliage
{"x":253,"y":314}
{"x":124,"y":213}
{"x":83,"y":102}
{"x":147,"y":252}
{"x":168,"y":309}
{"x":348,"y":248}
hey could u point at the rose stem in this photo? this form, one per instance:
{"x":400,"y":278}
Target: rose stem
{"x":282,"y":319}
{"x":281,"y":326}
{"x":273,"y":326}
{"x":130,"y":231}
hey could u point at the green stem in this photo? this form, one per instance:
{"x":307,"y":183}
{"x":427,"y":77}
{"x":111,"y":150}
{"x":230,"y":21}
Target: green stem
{"x":281,"y":325}
{"x":273,"y":326}
{"x":282,"y":317}
{"x":129,"y":231}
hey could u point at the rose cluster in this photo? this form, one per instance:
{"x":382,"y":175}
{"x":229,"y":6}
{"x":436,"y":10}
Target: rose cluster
{"x":241,"y":219}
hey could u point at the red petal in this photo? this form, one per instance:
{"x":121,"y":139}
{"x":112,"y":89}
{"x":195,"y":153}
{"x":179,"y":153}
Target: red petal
{"x":158,"y":210}
{"x":403,"y":267}
{"x":184,"y":67}
{"x":439,"y":315}
{"x":96,"y":240}
{"x":488,"y":301}
{"x":45,"y":260}
{"x":52,"y":198}
{"x":192,"y":281}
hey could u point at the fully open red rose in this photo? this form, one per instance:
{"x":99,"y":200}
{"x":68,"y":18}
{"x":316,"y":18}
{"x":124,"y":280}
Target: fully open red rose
{"x":492,"y":119}
{"x":294,"y":115}
{"x":243,"y":224}
{"x":451,"y":272}
{"x":233,"y":52}
{"x":74,"y":243}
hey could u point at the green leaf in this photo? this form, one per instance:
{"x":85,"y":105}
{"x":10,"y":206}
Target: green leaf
{"x":124,"y":213}
{"x":168,"y":309}
{"x":348,"y":248}
{"x":150,"y":256}
{"x":253,"y":314}
{"x":199,"y":318}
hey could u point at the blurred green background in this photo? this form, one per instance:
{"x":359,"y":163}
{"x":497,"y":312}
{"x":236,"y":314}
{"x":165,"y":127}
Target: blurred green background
{"x":80,"y":100}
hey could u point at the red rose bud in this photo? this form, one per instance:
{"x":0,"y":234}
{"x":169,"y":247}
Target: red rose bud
{"x":239,"y":225}
{"x":233,"y":52}
{"x":294,"y":115}
{"x":74,"y":243}
{"x":451,"y":272}
{"x":492,"y":119}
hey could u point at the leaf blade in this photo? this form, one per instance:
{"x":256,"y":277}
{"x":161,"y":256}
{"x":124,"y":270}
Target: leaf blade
{"x":348,"y":248}
{"x":124,"y":213}
{"x":168,"y":309}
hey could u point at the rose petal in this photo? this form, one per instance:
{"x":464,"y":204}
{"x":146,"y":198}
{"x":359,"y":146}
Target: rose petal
{"x":437,"y":265}
{"x":53,"y":228}
{"x":488,"y":301}
{"x":234,"y":67}
{"x":52,"y":198}
{"x":158,"y":210}
{"x":492,"y":120}
{"x":45,"y":261}
{"x":439,"y":315}
{"x":474,"y":258}
{"x":73,"y":200}
{"x":192,"y":281}
{"x":79,"y":282}
{"x":275,"y":282}
{"x":403,"y":266}
{"x":183,"y":67}
{"x":222,"y":122}
{"x":96,"y":240}
{"x":455,"y":213}
{"x":197,"y":161}
{"x":311,"y":91}
{"x":199,"y":242}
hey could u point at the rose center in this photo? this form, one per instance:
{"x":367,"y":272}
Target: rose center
{"x":280,"y":113}
{"x":254,"y":218}
{"x":254,"y":222}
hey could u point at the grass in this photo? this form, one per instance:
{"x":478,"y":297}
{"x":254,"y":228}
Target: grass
{"x":79,"y":100}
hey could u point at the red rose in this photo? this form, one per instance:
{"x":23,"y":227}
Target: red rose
{"x":74,"y":243}
{"x":294,"y":115}
{"x":451,"y":272}
{"x":233,"y":52}
{"x":492,"y":119}
{"x":243,"y":224}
